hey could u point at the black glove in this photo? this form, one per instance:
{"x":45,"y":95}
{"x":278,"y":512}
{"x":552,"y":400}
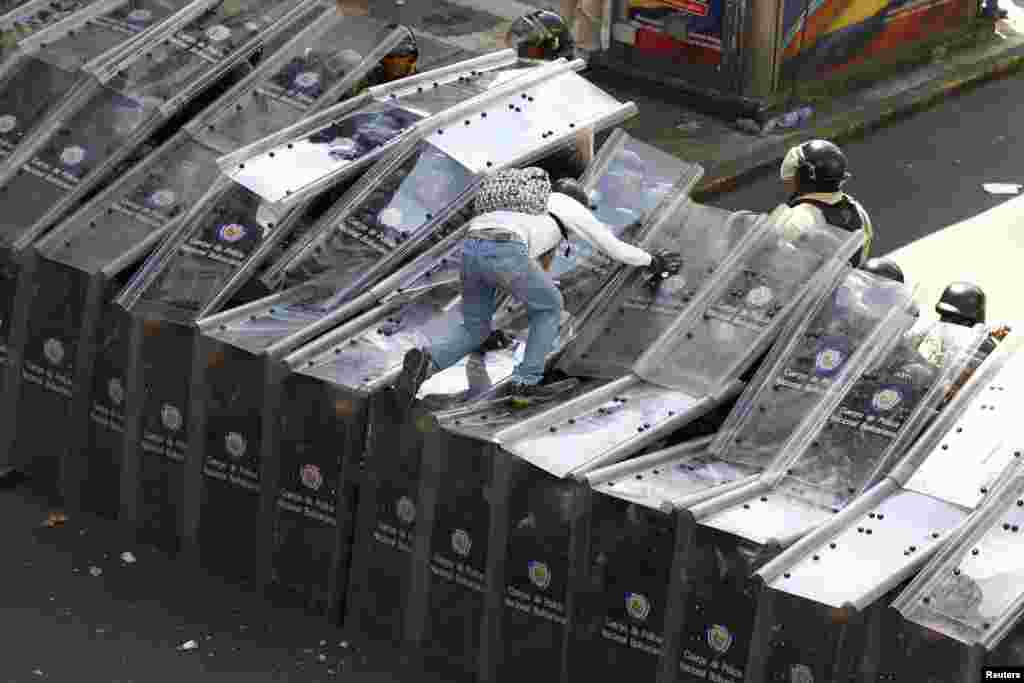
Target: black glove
{"x":572,"y":188}
{"x":664,"y":264}
{"x":498,"y":340}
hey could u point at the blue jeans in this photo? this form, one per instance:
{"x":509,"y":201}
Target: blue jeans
{"x":487,"y":266}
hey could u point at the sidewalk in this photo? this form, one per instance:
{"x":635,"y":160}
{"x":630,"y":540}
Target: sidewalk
{"x":728,"y":153}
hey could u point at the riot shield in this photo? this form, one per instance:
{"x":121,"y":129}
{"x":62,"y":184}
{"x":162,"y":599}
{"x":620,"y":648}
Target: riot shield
{"x":318,"y":68}
{"x":111,"y":233}
{"x":858,"y":443}
{"x":72,"y":153}
{"x":970,"y":592}
{"x":301,"y":162}
{"x":879,"y":540}
{"x":737,"y":314}
{"x":52,"y":70}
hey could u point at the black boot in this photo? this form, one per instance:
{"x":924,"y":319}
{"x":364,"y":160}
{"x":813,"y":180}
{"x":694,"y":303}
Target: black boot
{"x":415,"y":371}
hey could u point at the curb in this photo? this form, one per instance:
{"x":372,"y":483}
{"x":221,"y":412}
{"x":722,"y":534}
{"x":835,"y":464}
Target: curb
{"x":840,"y":127}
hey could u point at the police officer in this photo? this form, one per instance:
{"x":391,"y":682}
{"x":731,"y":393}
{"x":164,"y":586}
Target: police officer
{"x":814,"y":173}
{"x":518,"y":220}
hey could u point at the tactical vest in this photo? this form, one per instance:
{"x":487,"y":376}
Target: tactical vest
{"x":843,"y":214}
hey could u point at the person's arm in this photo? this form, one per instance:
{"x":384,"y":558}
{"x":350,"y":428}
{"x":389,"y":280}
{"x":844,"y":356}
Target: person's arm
{"x":579,"y":219}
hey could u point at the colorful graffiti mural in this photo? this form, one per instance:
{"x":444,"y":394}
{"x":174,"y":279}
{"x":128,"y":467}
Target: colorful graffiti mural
{"x":687,"y":31}
{"x":820,"y":37}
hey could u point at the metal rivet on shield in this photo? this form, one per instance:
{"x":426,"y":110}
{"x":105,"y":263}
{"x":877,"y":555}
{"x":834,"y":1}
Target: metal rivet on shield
{"x":956,"y":572}
{"x":786,"y":575}
{"x":832,"y":545}
{"x":984,"y":490}
{"x":926,"y":600}
{"x":435,"y":84}
{"x":483,"y":115}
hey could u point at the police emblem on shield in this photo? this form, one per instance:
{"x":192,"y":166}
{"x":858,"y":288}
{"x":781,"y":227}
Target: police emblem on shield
{"x":828,"y":360}
{"x":115,"y":390}
{"x":886,"y":399}
{"x":800,"y":673}
{"x":719,"y":638}
{"x":540,"y":574}
{"x":461,"y":542}
{"x":311,"y":478}
{"x":637,"y":606}
{"x":231,"y":232}
{"x":54,"y":351}
{"x":406,"y":510}
{"x":307,"y":79}
{"x":234,"y":444}
{"x":171,"y":417}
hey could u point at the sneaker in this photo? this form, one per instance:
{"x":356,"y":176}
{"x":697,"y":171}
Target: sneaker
{"x":534,"y":391}
{"x":415,"y":370}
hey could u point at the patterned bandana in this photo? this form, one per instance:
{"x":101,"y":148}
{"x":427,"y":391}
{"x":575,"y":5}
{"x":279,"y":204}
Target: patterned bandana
{"x":520,"y":190}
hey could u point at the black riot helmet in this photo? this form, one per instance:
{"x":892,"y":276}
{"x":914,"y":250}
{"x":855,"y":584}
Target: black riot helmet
{"x":821,"y":166}
{"x":962,"y":303}
{"x":541,"y":35}
{"x":883,"y":268}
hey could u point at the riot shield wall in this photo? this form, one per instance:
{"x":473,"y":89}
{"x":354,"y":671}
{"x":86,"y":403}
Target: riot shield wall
{"x":107,"y":128}
{"x":74,"y":152}
{"x":878,"y":541}
{"x":117,"y":228}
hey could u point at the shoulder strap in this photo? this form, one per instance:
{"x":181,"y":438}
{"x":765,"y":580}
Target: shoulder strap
{"x":563,"y":230}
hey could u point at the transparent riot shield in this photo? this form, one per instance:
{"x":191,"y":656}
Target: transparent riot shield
{"x":70,"y":156}
{"x":325,"y":64}
{"x":301,"y":162}
{"x":738,"y":311}
{"x":857,"y":444}
{"x":960,"y":466}
{"x":971,"y":591}
{"x":799,"y":384}
{"x":876,"y":543}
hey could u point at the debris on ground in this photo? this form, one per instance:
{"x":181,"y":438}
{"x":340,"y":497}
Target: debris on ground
{"x":127,"y":557}
{"x":55,"y":519}
{"x":1002,"y":188}
{"x":793,"y":119}
{"x":95,"y":571}
{"x":188,"y":645}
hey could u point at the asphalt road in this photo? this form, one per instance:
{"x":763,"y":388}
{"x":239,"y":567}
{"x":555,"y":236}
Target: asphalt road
{"x":924,"y":173}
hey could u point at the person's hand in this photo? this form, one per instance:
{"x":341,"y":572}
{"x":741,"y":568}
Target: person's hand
{"x":664,"y":264}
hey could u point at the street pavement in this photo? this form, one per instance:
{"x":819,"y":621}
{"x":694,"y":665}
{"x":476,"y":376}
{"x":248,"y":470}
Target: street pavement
{"x":925,"y":172}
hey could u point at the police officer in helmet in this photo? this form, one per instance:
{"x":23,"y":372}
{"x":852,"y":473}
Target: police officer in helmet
{"x":962,"y":303}
{"x":814,"y":173}
{"x":541,"y":35}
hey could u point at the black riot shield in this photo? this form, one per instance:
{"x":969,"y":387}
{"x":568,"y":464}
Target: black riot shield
{"x":622,"y":603}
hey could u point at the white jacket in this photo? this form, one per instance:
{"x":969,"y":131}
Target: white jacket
{"x":541,"y":233}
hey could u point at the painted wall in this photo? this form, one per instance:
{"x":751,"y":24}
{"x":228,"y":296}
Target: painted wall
{"x":841,"y":33}
{"x":687,"y":31}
